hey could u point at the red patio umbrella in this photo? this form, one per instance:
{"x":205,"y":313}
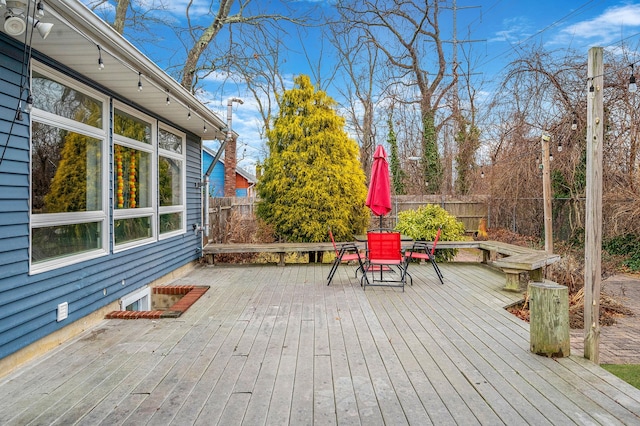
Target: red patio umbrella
{"x":379,"y":195}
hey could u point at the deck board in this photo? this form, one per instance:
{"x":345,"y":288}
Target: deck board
{"x":490,"y":349}
{"x":273,"y":345}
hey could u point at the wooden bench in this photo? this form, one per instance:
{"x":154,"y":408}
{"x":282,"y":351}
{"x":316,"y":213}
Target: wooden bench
{"x":511,"y":259}
{"x":210,"y":250}
{"x":532,"y":262}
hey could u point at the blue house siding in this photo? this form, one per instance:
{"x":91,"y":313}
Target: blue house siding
{"x":14,"y":179}
{"x":194,"y":178}
{"x":29,"y":302}
{"x":216,"y":179}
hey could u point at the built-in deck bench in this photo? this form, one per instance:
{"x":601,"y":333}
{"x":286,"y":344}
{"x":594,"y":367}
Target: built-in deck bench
{"x":513,"y":260}
{"x":210,"y":250}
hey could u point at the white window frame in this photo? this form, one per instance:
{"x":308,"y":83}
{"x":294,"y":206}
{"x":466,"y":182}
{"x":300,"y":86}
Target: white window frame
{"x":182,"y":208}
{"x":152,"y":149}
{"x":54,"y":219}
{"x":136,"y":296}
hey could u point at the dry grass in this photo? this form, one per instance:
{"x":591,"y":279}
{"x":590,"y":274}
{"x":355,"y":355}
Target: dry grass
{"x":610,"y":309}
{"x":245,"y":229}
{"x":625,"y":216}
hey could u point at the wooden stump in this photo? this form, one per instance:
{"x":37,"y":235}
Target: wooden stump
{"x":549,"y":319}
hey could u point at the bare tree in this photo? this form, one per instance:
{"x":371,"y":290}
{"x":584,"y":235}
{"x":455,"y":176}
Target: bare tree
{"x":358,"y":62}
{"x":229,"y":13}
{"x":539,"y":94}
{"x":407,"y":33}
{"x":468,"y":131}
{"x":133,"y":15}
{"x":545,"y":92}
{"x":204,"y":51}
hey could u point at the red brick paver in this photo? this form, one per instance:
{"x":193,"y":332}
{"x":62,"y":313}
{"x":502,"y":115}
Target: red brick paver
{"x":191,"y":294}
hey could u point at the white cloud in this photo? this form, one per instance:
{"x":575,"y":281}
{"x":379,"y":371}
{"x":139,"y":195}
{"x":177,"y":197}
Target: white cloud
{"x":515,"y":30}
{"x":606,"y":28}
{"x":198,"y":7}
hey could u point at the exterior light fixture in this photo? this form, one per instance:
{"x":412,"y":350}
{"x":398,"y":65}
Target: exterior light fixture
{"x":633,"y":87}
{"x":189,"y":114}
{"x":19,"y":116}
{"x":139,"y":81}
{"x":168,"y":98}
{"x":29,"y":106}
{"x":14,"y":25}
{"x":43,"y":28}
{"x":16,"y":21}
{"x":100,"y":63}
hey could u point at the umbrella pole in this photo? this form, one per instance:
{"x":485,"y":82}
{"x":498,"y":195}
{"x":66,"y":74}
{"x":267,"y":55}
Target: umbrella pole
{"x":381,"y":267}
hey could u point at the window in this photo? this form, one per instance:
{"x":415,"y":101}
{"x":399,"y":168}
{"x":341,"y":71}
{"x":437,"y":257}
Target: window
{"x":171,"y":182}
{"x":133,"y":178}
{"x":139,"y":300}
{"x":68,"y":163}
{"x":76,"y":195}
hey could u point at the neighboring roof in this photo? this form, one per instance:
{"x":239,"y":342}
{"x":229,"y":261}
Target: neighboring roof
{"x":245,"y":174}
{"x":74,"y":41}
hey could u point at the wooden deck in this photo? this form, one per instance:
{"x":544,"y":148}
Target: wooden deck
{"x":272,"y":345}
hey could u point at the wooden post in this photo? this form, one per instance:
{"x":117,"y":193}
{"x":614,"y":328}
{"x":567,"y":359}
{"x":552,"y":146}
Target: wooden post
{"x":546,"y":195}
{"x":549,"y":319}
{"x":593,"y":220}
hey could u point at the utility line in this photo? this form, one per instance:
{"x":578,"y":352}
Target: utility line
{"x":577,"y":11}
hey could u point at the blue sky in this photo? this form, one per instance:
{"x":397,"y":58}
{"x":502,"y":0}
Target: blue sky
{"x":503,"y":26}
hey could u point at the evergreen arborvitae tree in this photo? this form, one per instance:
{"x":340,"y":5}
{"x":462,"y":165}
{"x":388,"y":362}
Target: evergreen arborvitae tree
{"x":68,"y":191}
{"x":75,"y":186}
{"x":312,"y":178}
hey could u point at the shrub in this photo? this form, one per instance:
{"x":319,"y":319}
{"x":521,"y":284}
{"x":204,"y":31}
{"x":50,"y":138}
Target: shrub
{"x":423,"y":223}
{"x":627,"y":245}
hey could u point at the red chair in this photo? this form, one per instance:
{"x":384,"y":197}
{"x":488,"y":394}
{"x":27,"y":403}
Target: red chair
{"x":384,"y":251}
{"x":426,"y":251}
{"x":345,"y":252}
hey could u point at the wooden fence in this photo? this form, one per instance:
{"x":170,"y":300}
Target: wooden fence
{"x":223,"y":211}
{"x":522,"y":215}
{"x":468,"y":210}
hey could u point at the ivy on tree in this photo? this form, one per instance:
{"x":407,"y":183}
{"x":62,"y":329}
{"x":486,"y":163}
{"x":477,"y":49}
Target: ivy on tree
{"x":398,"y":175}
{"x":312,"y":177}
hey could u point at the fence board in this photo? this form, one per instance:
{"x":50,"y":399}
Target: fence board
{"x":468,"y":210}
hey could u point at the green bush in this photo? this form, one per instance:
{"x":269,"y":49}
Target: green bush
{"x":627,"y":245}
{"x":422,"y":224}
